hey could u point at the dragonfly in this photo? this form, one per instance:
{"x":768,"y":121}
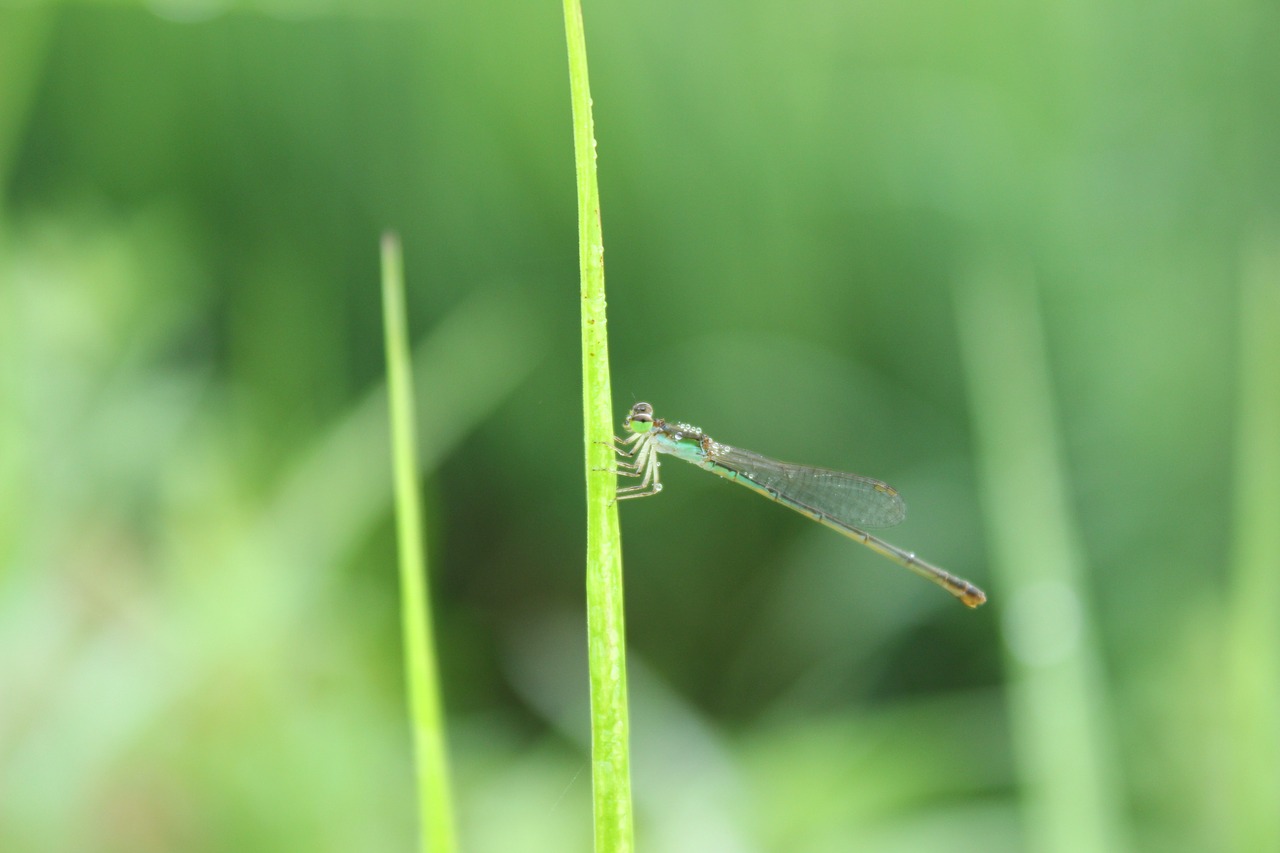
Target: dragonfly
{"x":847,"y":503}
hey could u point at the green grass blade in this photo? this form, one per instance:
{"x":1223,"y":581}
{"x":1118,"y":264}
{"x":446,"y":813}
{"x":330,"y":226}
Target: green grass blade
{"x":24,"y":41}
{"x":1059,"y":707}
{"x":426,"y":713}
{"x":1253,"y":614}
{"x":610,"y":729}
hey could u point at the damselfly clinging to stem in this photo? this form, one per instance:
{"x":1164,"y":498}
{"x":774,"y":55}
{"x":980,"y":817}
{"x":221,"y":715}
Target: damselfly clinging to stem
{"x":844,"y":502}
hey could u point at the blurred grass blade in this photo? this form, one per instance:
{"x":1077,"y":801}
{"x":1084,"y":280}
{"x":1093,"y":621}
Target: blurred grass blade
{"x":24,"y":40}
{"x":421,"y":676}
{"x":1059,"y":705}
{"x":465,"y":366}
{"x":606,"y":635}
{"x":1253,"y":615}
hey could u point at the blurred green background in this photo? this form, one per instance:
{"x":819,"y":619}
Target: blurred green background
{"x":1020,"y":260}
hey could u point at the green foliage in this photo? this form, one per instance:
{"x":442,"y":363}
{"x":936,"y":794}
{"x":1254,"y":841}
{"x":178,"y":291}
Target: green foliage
{"x":198,"y":631}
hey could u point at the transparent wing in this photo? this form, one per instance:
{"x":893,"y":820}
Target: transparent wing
{"x":842,"y":497}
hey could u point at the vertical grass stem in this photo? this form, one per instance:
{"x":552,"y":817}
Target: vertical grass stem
{"x":1060,"y":708}
{"x":606,"y":635}
{"x":1253,"y":614}
{"x":426,"y":713}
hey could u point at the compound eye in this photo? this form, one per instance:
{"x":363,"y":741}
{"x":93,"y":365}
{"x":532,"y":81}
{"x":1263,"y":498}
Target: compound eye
{"x":640,"y":419}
